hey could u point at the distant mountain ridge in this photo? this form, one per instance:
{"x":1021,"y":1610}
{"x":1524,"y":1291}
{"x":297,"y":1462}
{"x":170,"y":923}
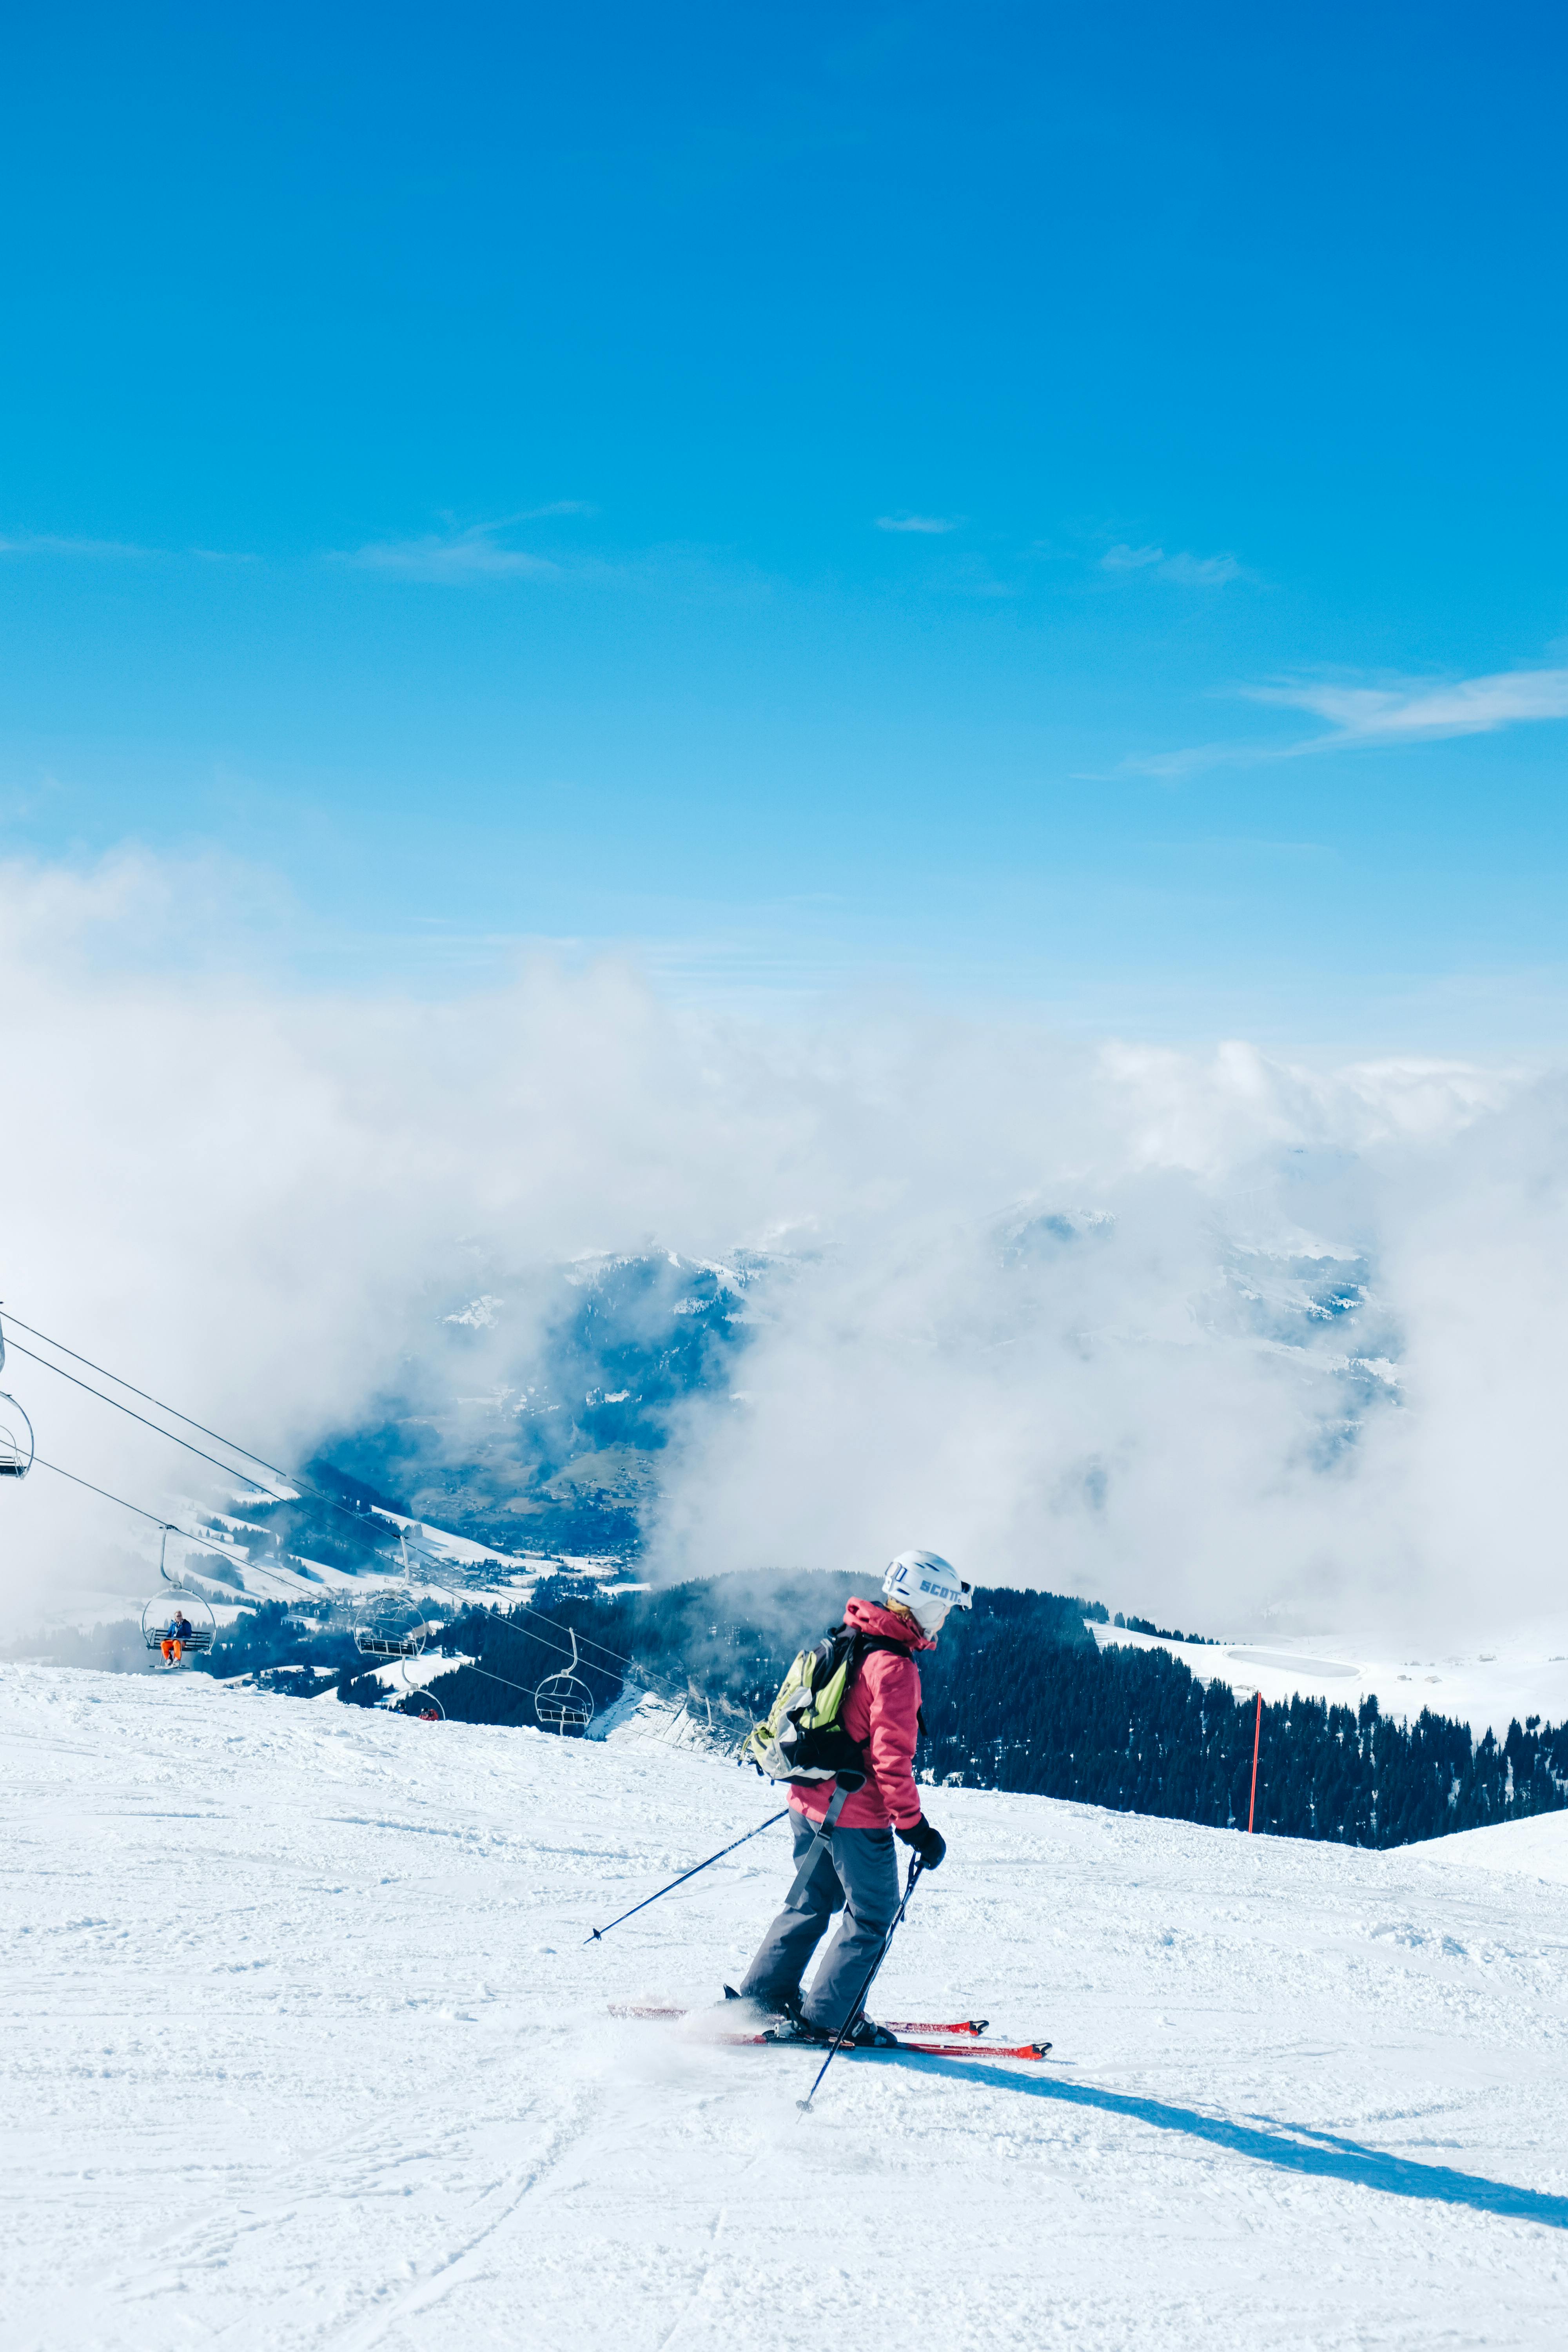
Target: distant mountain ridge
{"x":539,"y":1416}
{"x":559,"y":1450}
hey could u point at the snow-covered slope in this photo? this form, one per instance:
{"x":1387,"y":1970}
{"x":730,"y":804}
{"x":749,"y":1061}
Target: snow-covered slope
{"x":1520,"y":1674}
{"x":304,"y":2049}
{"x":1538,"y":1848}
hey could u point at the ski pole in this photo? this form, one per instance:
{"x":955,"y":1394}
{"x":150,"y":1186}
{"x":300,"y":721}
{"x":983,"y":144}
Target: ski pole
{"x":915,"y":1868}
{"x":599,"y":1933}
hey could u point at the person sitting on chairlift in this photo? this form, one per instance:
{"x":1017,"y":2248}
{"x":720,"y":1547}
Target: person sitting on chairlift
{"x":175,"y":1640}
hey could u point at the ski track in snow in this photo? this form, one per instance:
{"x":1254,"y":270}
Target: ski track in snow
{"x":303,"y":2049}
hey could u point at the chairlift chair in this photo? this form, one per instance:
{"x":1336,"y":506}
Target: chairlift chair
{"x":15,"y":1429}
{"x":159,"y":1613}
{"x":392,"y":1628}
{"x":15,"y":1439}
{"x":562,"y":1703}
{"x":422,"y":1705}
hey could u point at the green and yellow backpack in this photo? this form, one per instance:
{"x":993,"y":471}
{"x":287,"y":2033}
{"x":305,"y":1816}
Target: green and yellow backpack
{"x":802,"y":1738}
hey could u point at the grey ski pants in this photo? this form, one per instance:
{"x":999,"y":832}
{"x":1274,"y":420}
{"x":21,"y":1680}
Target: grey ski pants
{"x":857,"y":1873}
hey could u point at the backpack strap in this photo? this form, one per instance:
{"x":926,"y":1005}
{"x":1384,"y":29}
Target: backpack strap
{"x":821,"y":1844}
{"x":862,"y":1643}
{"x":822,"y":1838}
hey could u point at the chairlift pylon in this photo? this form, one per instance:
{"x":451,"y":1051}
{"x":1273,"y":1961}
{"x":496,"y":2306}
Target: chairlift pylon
{"x":699,"y":1697}
{"x":562,"y":1703}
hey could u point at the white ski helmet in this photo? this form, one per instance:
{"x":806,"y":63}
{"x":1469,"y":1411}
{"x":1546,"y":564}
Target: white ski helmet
{"x":927,"y":1587}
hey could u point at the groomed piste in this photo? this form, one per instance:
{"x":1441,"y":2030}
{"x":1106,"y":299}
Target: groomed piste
{"x":305,"y":2048}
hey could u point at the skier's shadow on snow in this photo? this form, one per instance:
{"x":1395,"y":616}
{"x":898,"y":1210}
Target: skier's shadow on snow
{"x":1291,"y":2146}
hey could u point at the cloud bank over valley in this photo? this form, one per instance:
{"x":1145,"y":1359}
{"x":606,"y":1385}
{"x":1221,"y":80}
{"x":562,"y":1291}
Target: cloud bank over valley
{"x":1211,"y":1336}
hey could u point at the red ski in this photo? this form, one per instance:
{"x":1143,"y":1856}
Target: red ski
{"x":975,"y":2025}
{"x":972,"y":2048}
{"x":971,"y":2028}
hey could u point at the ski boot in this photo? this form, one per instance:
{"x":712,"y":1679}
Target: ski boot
{"x":770,"y":2013}
{"x":862,"y":2035}
{"x":865,"y":2035}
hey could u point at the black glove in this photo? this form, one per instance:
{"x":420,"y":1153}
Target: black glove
{"x":928,"y":1843}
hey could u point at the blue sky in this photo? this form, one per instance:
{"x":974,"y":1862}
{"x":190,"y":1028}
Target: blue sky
{"x":1061,"y":507}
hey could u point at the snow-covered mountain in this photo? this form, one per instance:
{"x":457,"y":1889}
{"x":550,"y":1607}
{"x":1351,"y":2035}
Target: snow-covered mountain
{"x":532,"y":1417}
{"x":538,"y":1415}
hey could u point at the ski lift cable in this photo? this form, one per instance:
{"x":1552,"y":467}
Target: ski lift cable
{"x":463,"y":1664}
{"x":277,"y":1576}
{"x":209,"y":1544}
{"x":470,"y":1666}
{"x":467,"y":1665}
{"x":634,"y":1671}
{"x":174,"y":1439}
{"x":155,"y":1518}
{"x":617,"y":1659}
{"x":298,"y":1486}
{"x":626,"y":1669}
{"x":104,"y":1373}
{"x":281,"y":1576}
{"x":291,"y":1583}
{"x":432,"y":1559}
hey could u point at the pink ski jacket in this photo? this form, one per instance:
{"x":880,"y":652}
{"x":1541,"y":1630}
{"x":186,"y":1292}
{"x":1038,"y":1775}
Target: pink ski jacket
{"x":880,"y":1712}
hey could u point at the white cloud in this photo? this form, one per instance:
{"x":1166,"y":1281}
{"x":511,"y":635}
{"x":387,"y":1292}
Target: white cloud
{"x":1191,"y":760}
{"x":112,"y":549}
{"x":1420,"y":710}
{"x":1018,"y":1337}
{"x":1201,"y":571}
{"x":933,"y":526}
{"x":455,"y":558}
{"x":43,"y":542}
{"x":1188,"y":570}
{"x":1413,"y":712}
{"x":477,"y":552}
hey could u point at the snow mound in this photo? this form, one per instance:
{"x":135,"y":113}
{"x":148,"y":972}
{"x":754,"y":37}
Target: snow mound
{"x":307,"y":2047}
{"x":1539,"y":1848}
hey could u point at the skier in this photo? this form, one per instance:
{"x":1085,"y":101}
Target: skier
{"x":843,"y":1839}
{"x":175,"y":1640}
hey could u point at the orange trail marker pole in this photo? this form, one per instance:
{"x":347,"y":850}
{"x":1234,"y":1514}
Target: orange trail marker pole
{"x":1257,"y":1734}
